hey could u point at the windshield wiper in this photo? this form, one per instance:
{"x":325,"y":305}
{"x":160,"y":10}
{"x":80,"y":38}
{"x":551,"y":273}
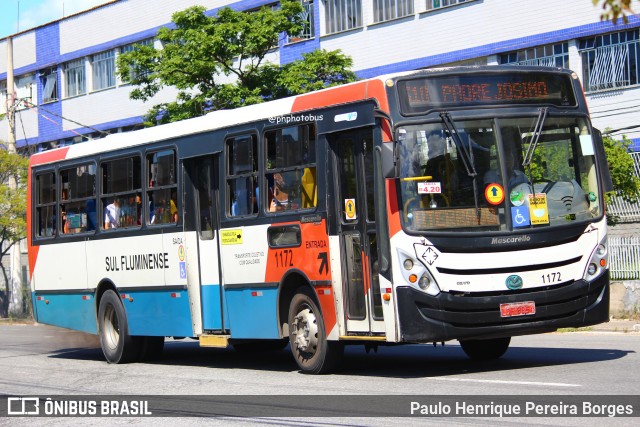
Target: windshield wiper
{"x":466,"y":155}
{"x":535,"y":137}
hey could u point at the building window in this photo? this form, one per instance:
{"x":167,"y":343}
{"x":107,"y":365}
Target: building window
{"x":75,"y":78}
{"x":104,"y":70}
{"x":308,"y":29}
{"x":135,"y":72}
{"x":291,"y":168}
{"x":49,"y":79}
{"x":610,"y":61}
{"x":437,"y":4}
{"x":551,"y":55}
{"x":26,"y":91}
{"x":385,"y":10}
{"x":342,"y":15}
{"x":242,"y":175}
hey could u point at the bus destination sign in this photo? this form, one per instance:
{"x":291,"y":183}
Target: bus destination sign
{"x":421,"y":95}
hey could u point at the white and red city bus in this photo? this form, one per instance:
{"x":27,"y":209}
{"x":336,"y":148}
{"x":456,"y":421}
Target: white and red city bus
{"x":457,"y":203}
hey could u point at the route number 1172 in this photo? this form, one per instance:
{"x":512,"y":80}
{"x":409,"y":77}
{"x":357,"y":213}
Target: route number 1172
{"x":284,"y":258}
{"x":551,"y":277}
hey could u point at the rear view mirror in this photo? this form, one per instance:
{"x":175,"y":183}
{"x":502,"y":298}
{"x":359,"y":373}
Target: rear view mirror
{"x":389,"y":160}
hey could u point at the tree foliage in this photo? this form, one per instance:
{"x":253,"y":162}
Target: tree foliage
{"x":13,"y":208}
{"x":625,"y":182}
{"x":614,"y":9}
{"x":220,"y":62}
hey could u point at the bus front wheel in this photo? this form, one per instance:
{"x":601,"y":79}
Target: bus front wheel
{"x":313,"y":353}
{"x":485,"y":349}
{"x":117,"y":345}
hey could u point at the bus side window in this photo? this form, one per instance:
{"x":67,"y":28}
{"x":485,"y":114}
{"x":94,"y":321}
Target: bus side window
{"x":242,"y":175}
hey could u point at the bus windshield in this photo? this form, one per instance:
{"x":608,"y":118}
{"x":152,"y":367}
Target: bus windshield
{"x":499,"y":174}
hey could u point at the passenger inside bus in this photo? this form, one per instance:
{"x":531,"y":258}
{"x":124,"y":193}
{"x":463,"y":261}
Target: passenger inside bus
{"x":112,"y":214}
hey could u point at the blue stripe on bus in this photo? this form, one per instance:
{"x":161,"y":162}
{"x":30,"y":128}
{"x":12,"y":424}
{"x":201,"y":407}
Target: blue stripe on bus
{"x":67,"y":311}
{"x":252,"y":312}
{"x":212,"y":307}
{"x":158,"y":313}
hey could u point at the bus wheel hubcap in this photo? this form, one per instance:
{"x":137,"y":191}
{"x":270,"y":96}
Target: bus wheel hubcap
{"x":112,"y":333}
{"x":305,"y":328}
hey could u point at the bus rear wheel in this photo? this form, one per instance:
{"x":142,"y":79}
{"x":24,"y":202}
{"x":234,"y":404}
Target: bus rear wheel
{"x":313,"y":353}
{"x":117,"y":345}
{"x":485,"y":349}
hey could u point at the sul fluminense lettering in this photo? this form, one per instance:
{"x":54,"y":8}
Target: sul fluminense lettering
{"x":137,"y":262}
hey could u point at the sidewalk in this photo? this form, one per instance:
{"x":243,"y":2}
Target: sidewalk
{"x":617,"y":325}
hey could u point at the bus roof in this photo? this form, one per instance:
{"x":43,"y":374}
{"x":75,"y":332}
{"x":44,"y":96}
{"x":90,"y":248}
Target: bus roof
{"x":352,"y":92}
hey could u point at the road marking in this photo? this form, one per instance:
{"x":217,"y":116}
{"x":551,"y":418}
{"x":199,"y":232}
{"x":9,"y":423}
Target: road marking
{"x":469,"y":380}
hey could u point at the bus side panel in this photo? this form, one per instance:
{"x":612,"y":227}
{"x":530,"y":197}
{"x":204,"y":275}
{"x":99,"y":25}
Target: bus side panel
{"x":253,"y":312}
{"x":211,"y":308}
{"x":250,"y":303}
{"x":69,"y":310}
{"x":312,"y":258}
{"x":61,"y":296}
{"x":158,"y":313}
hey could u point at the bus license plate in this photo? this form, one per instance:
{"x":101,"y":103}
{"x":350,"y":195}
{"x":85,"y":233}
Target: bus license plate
{"x":517,"y":309}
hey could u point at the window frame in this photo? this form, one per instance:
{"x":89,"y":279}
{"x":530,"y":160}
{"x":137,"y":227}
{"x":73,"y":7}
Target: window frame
{"x":335,"y":24}
{"x":103,"y":70}
{"x":149,"y":210}
{"x":629,"y":68}
{"x":78,"y":70}
{"x":246,"y":174}
{"x":311,"y":135}
{"x":50,"y":204}
{"x":71,"y":199}
{"x":388,"y":10}
{"x":120,"y":194}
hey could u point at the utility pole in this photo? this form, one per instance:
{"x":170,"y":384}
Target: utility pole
{"x":15,"y":303}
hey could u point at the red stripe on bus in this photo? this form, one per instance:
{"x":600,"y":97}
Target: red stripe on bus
{"x":49,"y":156}
{"x":343,"y":94}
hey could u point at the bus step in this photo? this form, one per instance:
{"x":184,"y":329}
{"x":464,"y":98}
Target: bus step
{"x":220,"y":341}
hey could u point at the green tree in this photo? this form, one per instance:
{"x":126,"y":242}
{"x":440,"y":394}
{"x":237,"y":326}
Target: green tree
{"x":614,"y":9}
{"x":13,"y":208}
{"x":220,"y":62}
{"x":625,"y":182}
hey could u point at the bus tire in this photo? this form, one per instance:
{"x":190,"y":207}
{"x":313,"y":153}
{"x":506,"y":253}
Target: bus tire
{"x":313,"y":353}
{"x":117,"y":345}
{"x":485,"y":349}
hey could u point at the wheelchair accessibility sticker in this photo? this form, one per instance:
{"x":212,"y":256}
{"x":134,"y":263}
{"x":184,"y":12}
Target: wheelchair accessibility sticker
{"x":520,"y":216}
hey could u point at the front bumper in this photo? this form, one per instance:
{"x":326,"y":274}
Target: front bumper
{"x":424,"y":318}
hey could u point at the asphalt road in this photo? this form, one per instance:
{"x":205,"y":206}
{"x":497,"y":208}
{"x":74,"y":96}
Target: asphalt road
{"x":42,"y":360}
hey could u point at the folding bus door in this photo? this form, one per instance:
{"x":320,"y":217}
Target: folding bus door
{"x":355,"y":213}
{"x":202,"y":250}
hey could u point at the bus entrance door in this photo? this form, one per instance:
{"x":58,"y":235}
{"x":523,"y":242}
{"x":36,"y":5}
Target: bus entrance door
{"x":202,"y":261}
{"x":356,"y":225}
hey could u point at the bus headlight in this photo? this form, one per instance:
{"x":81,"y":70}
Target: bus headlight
{"x":424,"y":282}
{"x":599,"y":261}
{"x":416,"y":275}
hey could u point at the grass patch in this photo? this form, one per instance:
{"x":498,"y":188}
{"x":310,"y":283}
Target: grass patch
{"x":583,"y":329}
